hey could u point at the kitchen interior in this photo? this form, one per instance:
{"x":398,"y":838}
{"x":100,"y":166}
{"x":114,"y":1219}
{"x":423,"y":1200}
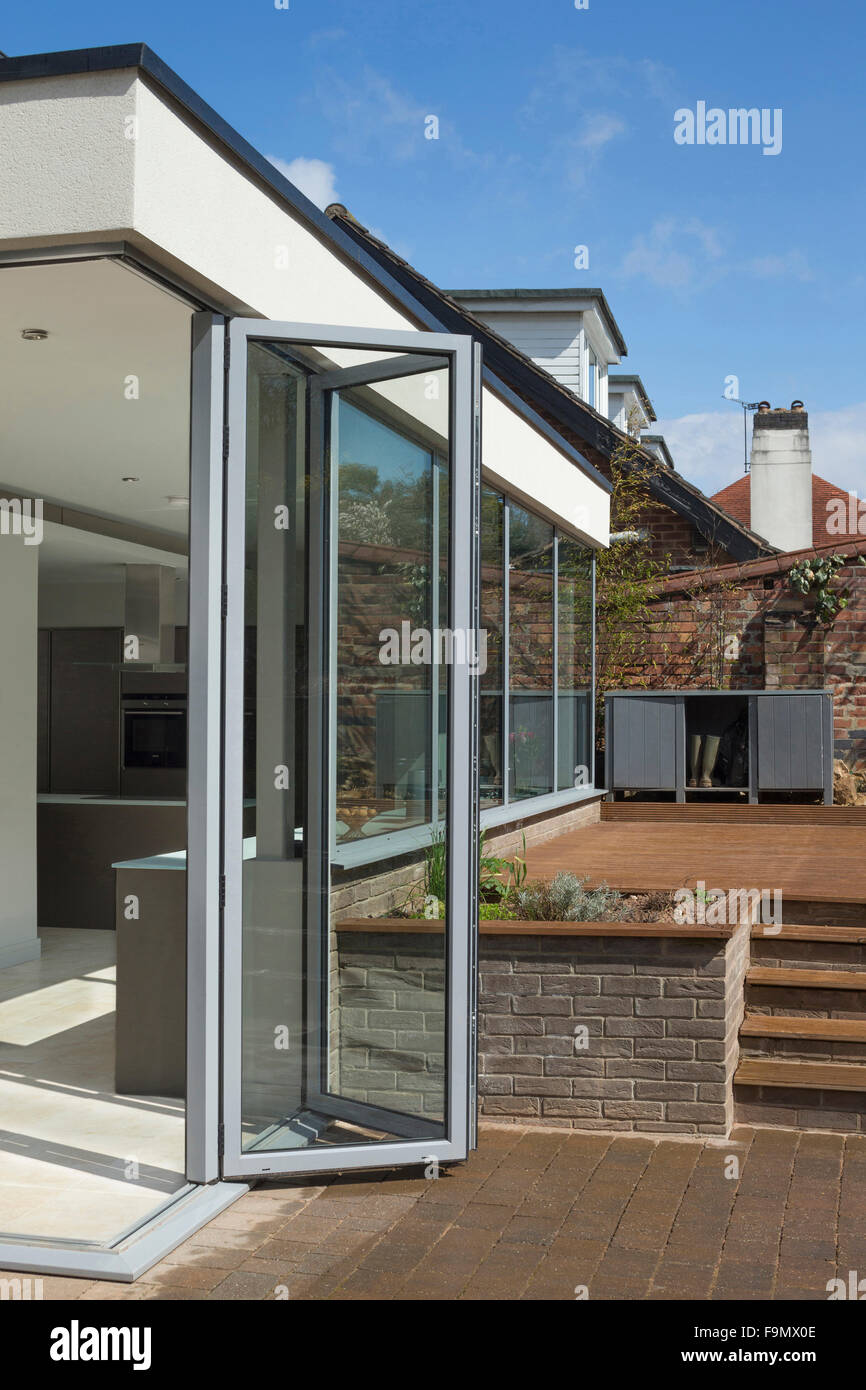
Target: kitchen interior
{"x":93,"y":737}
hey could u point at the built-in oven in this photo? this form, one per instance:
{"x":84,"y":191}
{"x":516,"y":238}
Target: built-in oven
{"x":153,"y":745}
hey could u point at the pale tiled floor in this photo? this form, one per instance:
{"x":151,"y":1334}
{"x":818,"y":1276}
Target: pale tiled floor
{"x":68,"y":1144}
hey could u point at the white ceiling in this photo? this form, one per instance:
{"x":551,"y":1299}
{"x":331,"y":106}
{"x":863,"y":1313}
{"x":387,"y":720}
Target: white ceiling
{"x":67,"y":432}
{"x":66,"y":553}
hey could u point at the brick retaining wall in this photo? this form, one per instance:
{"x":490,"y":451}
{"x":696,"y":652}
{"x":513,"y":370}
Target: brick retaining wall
{"x":659,"y":1018}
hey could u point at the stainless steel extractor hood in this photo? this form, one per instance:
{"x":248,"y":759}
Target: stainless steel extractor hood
{"x":149,"y":619}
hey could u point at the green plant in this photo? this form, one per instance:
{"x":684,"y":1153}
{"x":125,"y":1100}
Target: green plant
{"x":495,"y":912}
{"x":436,"y":865}
{"x":497,"y":878}
{"x":565,"y":898}
{"x":815,"y":577}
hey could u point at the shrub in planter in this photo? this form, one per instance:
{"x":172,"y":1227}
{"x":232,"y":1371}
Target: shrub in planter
{"x":565,"y":898}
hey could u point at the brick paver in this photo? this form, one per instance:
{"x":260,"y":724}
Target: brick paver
{"x":542,"y":1214}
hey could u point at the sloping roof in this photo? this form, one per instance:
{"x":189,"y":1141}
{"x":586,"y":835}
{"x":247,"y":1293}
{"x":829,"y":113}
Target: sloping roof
{"x":588,"y":431}
{"x":737,"y":499}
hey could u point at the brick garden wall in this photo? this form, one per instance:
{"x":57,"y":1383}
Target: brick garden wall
{"x":661,"y":1014}
{"x":689,"y":643}
{"x":661,"y":1017}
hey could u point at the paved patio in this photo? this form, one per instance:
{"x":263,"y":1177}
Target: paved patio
{"x":542,"y":1214}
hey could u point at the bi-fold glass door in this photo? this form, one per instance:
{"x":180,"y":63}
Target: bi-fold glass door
{"x":349,"y":784}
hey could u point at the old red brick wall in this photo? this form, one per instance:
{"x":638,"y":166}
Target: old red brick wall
{"x":755,"y":634}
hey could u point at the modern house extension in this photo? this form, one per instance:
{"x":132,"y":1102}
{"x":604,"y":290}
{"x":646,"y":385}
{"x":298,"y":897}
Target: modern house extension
{"x":296,"y":580}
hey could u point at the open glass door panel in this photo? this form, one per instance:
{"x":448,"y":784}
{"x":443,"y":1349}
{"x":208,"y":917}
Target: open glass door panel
{"x":349,"y":821}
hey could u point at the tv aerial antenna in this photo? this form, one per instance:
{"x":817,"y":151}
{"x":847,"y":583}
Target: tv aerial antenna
{"x":746,"y":406}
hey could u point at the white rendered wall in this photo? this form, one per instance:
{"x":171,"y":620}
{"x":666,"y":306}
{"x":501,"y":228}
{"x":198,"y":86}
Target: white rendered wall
{"x":781,"y":487}
{"x":521,"y":462}
{"x":176,"y":192}
{"x":66,"y":164}
{"x":19,"y":573}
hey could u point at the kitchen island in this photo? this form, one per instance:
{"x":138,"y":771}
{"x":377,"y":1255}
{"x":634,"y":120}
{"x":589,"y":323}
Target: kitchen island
{"x":79,"y":840}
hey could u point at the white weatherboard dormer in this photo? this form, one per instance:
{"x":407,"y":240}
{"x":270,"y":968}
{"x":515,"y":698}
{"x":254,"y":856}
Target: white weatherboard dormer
{"x":570,"y":333}
{"x":629,"y":406}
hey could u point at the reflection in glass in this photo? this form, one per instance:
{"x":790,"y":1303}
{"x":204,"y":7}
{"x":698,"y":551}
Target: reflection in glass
{"x":574,"y":676}
{"x":384,"y":728}
{"x":530,"y":597}
{"x":344,"y":999}
{"x":490,"y":739}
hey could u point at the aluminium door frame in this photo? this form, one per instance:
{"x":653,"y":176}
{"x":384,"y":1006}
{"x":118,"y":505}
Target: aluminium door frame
{"x":463,"y":404}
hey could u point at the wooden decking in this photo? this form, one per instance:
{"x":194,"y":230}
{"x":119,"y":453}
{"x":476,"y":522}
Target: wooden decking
{"x":820,"y":860}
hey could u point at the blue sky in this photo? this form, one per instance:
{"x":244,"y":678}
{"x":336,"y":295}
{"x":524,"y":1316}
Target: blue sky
{"x":556,"y":129}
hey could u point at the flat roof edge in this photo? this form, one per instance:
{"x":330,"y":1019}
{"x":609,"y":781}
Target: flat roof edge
{"x":139,"y":56}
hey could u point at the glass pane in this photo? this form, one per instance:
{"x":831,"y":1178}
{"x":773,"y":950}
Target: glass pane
{"x":390,"y":661}
{"x":275,"y":776}
{"x":344,"y":988}
{"x":574,"y":583}
{"x":384,"y":737}
{"x":530,"y":597}
{"x":493,"y":624}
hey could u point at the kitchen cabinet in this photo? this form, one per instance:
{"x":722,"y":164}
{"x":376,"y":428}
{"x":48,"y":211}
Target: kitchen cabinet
{"x":85,"y":711}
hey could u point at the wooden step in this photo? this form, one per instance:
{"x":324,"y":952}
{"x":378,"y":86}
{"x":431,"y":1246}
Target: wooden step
{"x":811,"y":1029}
{"x":722,"y":813}
{"x":814,"y":1076}
{"x":791,"y":931}
{"x":801,"y":978}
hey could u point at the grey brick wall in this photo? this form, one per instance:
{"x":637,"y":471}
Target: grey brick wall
{"x":584,"y":1032}
{"x":392,"y":1020}
{"x":611,"y":1033}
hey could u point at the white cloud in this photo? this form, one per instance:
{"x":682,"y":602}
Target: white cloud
{"x":838,"y":440}
{"x":372,"y":119}
{"x":599,"y":130}
{"x":792,"y":265}
{"x":314,"y":177}
{"x":708,"y":448}
{"x":673,"y":254}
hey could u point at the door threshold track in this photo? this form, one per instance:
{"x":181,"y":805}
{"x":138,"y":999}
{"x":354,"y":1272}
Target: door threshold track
{"x":134,"y":1251}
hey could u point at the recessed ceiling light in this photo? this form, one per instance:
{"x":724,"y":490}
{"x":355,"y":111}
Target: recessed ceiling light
{"x":130,"y":480}
{"x":34,"y":335}
{"x":177,"y":501}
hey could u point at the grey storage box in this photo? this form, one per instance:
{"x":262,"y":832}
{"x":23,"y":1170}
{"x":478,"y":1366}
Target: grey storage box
{"x":770,"y":741}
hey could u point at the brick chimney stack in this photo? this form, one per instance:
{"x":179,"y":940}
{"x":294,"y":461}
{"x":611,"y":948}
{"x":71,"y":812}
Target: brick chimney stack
{"x":781,"y":476}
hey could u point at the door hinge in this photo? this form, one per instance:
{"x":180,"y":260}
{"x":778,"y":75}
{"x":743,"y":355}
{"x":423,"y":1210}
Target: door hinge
{"x":224,"y":601}
{"x":222,"y":890}
{"x":221,"y":1141}
{"x":225,"y":443}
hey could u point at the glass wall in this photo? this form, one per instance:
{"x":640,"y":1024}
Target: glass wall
{"x":537,"y":607}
